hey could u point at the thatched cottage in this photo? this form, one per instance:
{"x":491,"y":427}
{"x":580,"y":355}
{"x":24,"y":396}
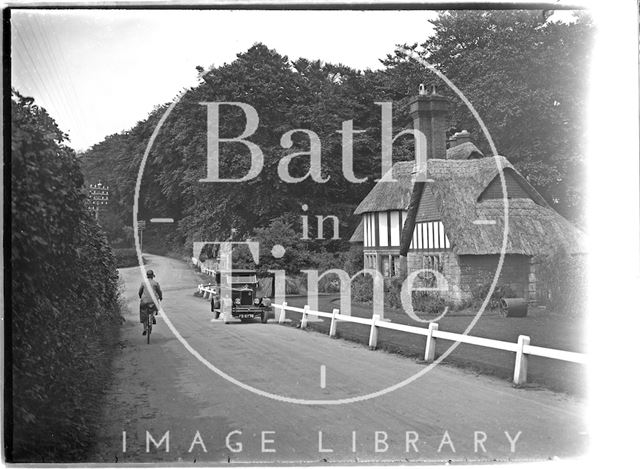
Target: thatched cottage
{"x":460,"y":218}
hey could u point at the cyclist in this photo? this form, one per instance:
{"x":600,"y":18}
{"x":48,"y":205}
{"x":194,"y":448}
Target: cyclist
{"x":147,"y":306}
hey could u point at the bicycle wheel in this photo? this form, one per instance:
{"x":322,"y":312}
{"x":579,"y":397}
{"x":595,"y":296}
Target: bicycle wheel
{"x":149,"y":326}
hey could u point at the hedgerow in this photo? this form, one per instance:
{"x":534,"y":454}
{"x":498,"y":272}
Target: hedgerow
{"x":64,"y":297}
{"x":565,"y":276}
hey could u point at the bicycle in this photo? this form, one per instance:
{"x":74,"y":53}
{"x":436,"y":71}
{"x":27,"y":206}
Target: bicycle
{"x":151,"y":312}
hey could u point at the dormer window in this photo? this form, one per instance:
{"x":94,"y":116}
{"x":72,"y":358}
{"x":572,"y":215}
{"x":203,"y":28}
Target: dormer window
{"x":515,"y":190}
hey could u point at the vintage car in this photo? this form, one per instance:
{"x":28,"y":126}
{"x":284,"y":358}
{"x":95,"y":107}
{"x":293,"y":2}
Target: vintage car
{"x":250,"y":296}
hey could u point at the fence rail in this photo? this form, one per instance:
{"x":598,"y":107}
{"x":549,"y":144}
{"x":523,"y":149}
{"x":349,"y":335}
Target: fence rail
{"x":522,"y":348}
{"x":203,"y":268}
{"x":556,"y":354}
{"x":206,"y":291}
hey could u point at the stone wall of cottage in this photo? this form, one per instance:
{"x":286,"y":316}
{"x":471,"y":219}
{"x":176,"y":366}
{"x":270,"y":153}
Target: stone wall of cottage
{"x":450,"y":270}
{"x":534,"y":290}
{"x":467,"y":273}
{"x":477,"y":271}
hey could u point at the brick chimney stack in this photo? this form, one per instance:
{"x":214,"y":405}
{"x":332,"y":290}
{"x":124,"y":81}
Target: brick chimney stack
{"x":429,"y":113}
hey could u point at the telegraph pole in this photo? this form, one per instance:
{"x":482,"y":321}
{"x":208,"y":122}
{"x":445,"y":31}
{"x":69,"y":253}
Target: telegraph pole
{"x":142,"y":224}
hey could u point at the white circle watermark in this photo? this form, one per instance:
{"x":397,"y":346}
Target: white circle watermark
{"x":363,"y":397}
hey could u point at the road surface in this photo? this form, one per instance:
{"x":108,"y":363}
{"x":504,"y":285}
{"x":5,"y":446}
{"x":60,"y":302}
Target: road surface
{"x":162,"y":390}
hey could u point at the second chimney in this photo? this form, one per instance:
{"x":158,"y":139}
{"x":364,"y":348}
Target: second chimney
{"x":462,"y":137}
{"x":429,"y":113}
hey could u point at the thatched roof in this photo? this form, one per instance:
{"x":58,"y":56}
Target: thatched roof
{"x":390,"y":195}
{"x":464,"y":151}
{"x":455,"y":187}
{"x":358,"y":234}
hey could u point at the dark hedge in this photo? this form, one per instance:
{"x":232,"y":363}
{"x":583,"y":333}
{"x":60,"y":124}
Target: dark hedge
{"x":64,"y":297}
{"x":565,"y":276}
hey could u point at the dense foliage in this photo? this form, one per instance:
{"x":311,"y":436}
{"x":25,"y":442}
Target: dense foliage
{"x":64,"y":294}
{"x":565,"y":277}
{"x":286,"y":95}
{"x":525,"y":77}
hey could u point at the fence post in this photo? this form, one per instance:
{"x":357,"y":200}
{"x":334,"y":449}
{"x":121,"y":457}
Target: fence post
{"x":332,"y":328}
{"x":282,"y":313}
{"x":430,"y":348}
{"x":520,"y":369}
{"x":373,"y":334}
{"x":303,"y":323}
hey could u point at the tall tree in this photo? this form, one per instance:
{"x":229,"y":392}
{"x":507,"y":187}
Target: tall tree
{"x":287,"y":95}
{"x":526,"y":76}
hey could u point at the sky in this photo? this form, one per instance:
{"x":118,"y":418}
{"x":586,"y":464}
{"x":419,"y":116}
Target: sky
{"x":98,"y":72}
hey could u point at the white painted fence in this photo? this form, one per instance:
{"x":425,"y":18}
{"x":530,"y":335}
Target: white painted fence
{"x":203,"y":268}
{"x":206,"y":291}
{"x":522,"y":348}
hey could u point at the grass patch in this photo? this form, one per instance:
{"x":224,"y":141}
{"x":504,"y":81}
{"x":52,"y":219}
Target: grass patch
{"x":545,"y":328}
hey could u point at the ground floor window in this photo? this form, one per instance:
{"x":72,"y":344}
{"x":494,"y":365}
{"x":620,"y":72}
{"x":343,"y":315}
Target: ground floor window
{"x":395,"y":266}
{"x":385,"y":267}
{"x":390,"y":265}
{"x":432,"y":262}
{"x":370,"y":261}
{"x":387,"y":264}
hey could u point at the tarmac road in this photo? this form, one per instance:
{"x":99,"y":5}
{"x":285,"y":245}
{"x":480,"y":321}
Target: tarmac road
{"x":447,"y":414}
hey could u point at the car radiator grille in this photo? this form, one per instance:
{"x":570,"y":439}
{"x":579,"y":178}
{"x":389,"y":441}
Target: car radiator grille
{"x":246,"y":297}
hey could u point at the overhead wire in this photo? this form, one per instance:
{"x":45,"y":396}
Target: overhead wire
{"x":32,"y":77}
{"x":54,"y":73}
{"x":55,"y":49}
{"x":51,"y":64}
{"x":52,"y":100}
